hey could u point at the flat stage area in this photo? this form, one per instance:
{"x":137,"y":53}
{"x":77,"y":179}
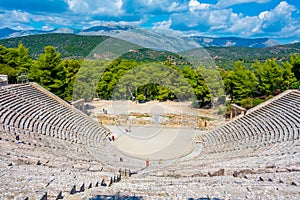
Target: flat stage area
{"x":153,"y":143}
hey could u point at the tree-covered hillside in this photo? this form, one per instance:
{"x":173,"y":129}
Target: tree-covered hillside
{"x":79,"y":47}
{"x":225,"y":57}
{"x":69,"y":45}
{"x":72,"y":46}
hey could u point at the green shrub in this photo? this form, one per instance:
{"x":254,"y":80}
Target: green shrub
{"x":141,"y":98}
{"x":247,"y":103}
{"x":257,"y":101}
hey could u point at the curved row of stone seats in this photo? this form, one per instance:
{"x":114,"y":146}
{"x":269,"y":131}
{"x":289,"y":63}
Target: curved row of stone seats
{"x":66,"y":137}
{"x":35,"y":181}
{"x":273,"y":159}
{"x":34,"y":121}
{"x":30,"y":108}
{"x":52,"y":168}
{"x":166,"y":185}
{"x":276,"y":121}
{"x":277,"y":154}
{"x":53,"y":145}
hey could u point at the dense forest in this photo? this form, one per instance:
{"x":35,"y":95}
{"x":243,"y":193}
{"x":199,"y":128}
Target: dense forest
{"x":247,"y":84}
{"x":68,"y":45}
{"x":72,"y":46}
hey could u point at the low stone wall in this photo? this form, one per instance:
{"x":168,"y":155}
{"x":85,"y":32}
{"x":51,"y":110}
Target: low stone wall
{"x":147,"y":119}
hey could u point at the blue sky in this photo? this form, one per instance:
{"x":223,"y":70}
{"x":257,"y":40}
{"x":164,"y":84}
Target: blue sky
{"x":279,"y":20}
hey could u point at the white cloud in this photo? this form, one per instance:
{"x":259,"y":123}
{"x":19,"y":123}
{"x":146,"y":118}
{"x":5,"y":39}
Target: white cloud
{"x":277,"y":22}
{"x":22,"y":27}
{"x":15,"y":19}
{"x":196,"y":5}
{"x":47,"y":27}
{"x":125,"y":23}
{"x":15,"y":16}
{"x":205,"y":20}
{"x":227,"y":3}
{"x":215,"y":20}
{"x":282,"y":11}
{"x":163,"y":25}
{"x":263,"y":14}
{"x":20,"y":20}
{"x":96,"y":7}
{"x":55,"y":20}
{"x":163,"y":5}
{"x":108,"y":23}
{"x":187,"y":17}
{"x":221,"y":17}
{"x":77,"y":6}
{"x":278,"y":18}
{"x":175,"y":6}
{"x":246,"y":26}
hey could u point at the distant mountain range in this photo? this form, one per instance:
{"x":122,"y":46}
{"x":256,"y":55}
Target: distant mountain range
{"x":143,"y":45}
{"x":235,"y":41}
{"x":96,"y":30}
{"x":113,"y":30}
